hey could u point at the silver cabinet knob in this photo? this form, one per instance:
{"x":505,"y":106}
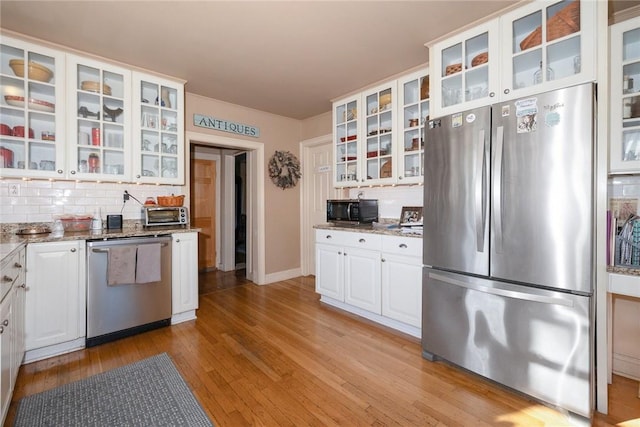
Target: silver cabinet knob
{"x":73,"y":249}
{"x":362,"y":240}
{"x":506,"y":91}
{"x":73,"y":172}
{"x":137,"y":176}
{"x":402,"y":245}
{"x":383,"y":260}
{"x":492,"y":94}
{"x":328,"y":236}
{"x":60,"y":171}
{"x":6,"y":322}
{"x":177,"y":240}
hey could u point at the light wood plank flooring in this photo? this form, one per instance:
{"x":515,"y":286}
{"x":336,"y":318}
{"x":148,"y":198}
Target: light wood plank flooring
{"x":275,"y":356}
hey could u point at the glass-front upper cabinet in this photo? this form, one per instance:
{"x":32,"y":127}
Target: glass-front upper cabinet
{"x":413,"y":111}
{"x":547,"y":45}
{"x":32,"y":131}
{"x":158,"y":137}
{"x":379,"y":139}
{"x":345,"y":141}
{"x":625,"y":97}
{"x":465,"y":69}
{"x":99,"y":96}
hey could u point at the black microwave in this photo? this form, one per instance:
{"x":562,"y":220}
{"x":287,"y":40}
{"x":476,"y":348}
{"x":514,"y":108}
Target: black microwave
{"x":354,"y":211}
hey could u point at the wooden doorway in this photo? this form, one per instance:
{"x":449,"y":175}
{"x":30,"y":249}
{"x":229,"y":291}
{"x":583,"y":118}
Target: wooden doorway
{"x":203,"y":210}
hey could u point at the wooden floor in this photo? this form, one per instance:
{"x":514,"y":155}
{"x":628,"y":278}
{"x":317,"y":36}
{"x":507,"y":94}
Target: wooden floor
{"x":275,"y":356}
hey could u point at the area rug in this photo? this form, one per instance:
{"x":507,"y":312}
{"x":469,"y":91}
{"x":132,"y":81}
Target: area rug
{"x":150,"y":392}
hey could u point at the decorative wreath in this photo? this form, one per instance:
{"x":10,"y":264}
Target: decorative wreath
{"x":284,"y":169}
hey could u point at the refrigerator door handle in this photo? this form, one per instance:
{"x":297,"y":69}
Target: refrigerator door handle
{"x":497,"y":188}
{"x":480,"y":192}
{"x":503,"y":292}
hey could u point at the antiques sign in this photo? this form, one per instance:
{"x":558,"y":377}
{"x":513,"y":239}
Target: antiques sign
{"x":225,"y":126}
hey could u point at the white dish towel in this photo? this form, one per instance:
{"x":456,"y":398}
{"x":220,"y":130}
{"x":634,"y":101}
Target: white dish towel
{"x":148,"y":266}
{"x":121,"y":265}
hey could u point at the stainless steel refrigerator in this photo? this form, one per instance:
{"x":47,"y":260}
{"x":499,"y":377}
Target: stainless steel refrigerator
{"x":509,"y":244}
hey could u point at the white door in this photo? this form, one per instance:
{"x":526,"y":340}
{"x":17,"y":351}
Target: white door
{"x":362,"y":279}
{"x":317,"y":188}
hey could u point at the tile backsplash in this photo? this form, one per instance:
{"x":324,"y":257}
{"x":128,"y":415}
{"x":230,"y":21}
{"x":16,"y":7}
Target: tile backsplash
{"x":391,"y":199}
{"x":39,"y":201}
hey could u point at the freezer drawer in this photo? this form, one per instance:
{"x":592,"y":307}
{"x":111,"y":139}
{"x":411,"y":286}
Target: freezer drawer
{"x":532,"y":340}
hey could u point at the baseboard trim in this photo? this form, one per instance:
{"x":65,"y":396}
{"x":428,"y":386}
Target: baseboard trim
{"x":386,"y":321}
{"x":627,"y":366}
{"x":282,"y":275}
{"x":53,"y":350}
{"x":183,"y":317}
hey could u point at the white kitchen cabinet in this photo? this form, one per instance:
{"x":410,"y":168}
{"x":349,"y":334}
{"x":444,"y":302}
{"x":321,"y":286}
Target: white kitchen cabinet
{"x":535,"y":48}
{"x":379,"y":133}
{"x":413,"y":113}
{"x":347,"y":268}
{"x":624,"y":156}
{"x":378,"y":277}
{"x":11,"y":326}
{"x":330,"y":271}
{"x":33,"y":135}
{"x":402,"y":279}
{"x":365,"y":137}
{"x":346,"y":137}
{"x":362,"y":276}
{"x":465,"y":69}
{"x":55,"y":298}
{"x":184,"y":276}
{"x":99,"y":120}
{"x":158,"y":122}
{"x":6,"y":328}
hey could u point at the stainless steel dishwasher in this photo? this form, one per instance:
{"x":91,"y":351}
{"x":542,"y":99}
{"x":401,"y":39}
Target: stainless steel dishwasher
{"x":124,"y":309}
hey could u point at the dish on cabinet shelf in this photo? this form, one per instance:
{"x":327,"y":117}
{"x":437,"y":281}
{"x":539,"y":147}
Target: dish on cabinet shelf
{"x":348,"y":138}
{"x":453,"y":68}
{"x":34,"y":104}
{"x":36,"y":71}
{"x":481,"y":58}
{"x":92,"y":86}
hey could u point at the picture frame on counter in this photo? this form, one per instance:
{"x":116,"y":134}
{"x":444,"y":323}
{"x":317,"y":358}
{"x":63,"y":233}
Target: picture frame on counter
{"x":411,"y":216}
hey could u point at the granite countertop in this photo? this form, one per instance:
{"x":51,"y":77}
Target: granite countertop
{"x":11,"y":242}
{"x":630,"y":271}
{"x":387,"y":228}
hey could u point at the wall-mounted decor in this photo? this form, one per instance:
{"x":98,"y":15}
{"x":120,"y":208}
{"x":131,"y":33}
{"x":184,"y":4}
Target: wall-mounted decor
{"x":225,"y":126}
{"x":284,"y":169}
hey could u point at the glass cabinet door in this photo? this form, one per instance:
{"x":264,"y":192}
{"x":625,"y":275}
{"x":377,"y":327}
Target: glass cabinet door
{"x":548,"y":47}
{"x":379,"y":144}
{"x":414,"y":112}
{"x":464,"y":73}
{"x":158,"y":139}
{"x":32,"y":133}
{"x":625,"y":97}
{"x":99,"y":102}
{"x":345,"y":141}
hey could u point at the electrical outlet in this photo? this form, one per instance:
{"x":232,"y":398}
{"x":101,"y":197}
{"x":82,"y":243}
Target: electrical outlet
{"x":14,"y":189}
{"x":125,"y":196}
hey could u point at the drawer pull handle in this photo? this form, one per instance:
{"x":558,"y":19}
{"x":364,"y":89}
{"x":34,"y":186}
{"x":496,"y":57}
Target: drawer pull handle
{"x":402,"y":245}
{"x":362,"y":240}
{"x":7,"y":279}
{"x":328,"y":236}
{"x":17,"y":265}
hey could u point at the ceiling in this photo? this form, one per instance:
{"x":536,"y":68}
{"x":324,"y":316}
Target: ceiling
{"x":284,"y":57}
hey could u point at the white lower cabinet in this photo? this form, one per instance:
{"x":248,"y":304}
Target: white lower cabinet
{"x":184,"y":290}
{"x":376,"y":276}
{"x":55,"y":298}
{"x":11,"y":326}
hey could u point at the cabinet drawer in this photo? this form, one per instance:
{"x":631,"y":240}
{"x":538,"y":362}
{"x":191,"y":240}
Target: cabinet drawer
{"x":331,"y":237}
{"x":11,"y":269}
{"x":410,"y":246}
{"x":364,"y":241}
{"x":624,"y":285}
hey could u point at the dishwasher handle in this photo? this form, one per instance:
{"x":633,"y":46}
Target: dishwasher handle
{"x":106,"y":250}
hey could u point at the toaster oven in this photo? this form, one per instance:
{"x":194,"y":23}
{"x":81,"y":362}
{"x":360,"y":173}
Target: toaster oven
{"x":164,"y":215}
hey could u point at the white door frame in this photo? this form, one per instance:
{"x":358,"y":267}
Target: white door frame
{"x":305,"y":190}
{"x":256,"y":240}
